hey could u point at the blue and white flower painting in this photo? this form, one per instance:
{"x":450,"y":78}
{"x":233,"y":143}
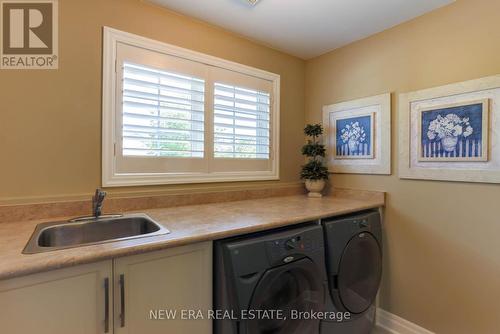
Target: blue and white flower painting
{"x":354,"y":137}
{"x":453,"y":133}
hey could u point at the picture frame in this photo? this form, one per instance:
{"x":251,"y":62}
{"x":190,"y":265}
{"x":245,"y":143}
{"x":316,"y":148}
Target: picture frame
{"x":369,"y":139}
{"x":474,"y":167}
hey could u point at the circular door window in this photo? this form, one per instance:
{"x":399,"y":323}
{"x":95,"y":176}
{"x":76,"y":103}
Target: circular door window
{"x":360,"y":272}
{"x":295,"y":286}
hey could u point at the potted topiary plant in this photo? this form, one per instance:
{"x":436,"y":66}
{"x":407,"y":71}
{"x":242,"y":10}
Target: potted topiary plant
{"x":314,"y":172}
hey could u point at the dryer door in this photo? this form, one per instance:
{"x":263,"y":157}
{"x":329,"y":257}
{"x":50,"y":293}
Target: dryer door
{"x":295,"y":286}
{"x":360,"y":271}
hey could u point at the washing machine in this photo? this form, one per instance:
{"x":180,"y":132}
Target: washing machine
{"x":277,"y":270}
{"x":353,"y":248}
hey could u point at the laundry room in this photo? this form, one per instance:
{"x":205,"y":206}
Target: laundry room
{"x":249,"y":166}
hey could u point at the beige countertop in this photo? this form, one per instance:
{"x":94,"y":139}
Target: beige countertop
{"x":188,"y":224}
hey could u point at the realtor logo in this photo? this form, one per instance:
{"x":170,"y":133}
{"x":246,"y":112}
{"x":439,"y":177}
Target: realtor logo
{"x":29,"y":34}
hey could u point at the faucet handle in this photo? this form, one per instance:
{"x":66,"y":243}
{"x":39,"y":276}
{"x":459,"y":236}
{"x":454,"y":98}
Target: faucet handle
{"x":102,"y":194}
{"x":99,"y":195}
{"x":97,"y":202}
{"x":99,"y":192}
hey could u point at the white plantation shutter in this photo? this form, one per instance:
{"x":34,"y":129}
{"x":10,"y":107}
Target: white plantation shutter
{"x":241,"y":122}
{"x":182,"y":117}
{"x":163,"y":113}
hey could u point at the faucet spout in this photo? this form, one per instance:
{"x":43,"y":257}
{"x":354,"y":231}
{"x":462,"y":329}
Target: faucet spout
{"x":97,"y":202}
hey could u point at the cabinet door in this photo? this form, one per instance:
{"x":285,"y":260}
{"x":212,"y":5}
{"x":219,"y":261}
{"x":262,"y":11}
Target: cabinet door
{"x":62,"y":301}
{"x":149,"y":285}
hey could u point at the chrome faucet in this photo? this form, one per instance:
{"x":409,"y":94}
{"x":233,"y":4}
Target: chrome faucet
{"x":97,"y":202}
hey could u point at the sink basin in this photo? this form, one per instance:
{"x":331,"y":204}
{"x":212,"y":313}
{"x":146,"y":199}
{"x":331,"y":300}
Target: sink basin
{"x":60,"y":235}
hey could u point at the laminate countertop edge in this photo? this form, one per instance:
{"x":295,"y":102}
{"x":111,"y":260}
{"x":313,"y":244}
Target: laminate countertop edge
{"x":188,"y":225}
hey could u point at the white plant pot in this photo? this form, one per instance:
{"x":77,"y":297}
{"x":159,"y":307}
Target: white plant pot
{"x":315,"y":187}
{"x":449,"y":143}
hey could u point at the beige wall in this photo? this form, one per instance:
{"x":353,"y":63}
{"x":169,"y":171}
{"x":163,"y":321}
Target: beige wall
{"x":50,"y":121}
{"x":442,"y":249}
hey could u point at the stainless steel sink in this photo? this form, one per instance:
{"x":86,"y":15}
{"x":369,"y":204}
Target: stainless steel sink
{"x":59,"y":235}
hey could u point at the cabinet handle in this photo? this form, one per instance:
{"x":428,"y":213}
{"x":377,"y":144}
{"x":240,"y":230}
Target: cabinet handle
{"x":122,"y":300}
{"x":106,"y":305}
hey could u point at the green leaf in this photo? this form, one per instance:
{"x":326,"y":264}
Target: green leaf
{"x":314,"y":170}
{"x":313,"y":130}
{"x":312,"y":149}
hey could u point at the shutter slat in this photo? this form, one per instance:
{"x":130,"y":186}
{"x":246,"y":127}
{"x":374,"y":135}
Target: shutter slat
{"x":161,"y":98}
{"x":150,"y":130}
{"x":156,"y":118}
{"x":264,"y":116}
{"x":153,"y":73}
{"x":161,"y":140}
{"x":239,"y":155}
{"x":152,"y":107}
{"x":238,"y":109}
{"x":240,"y":91}
{"x":243,"y":144}
{"x":243,"y":101}
{"x":223,"y":125}
{"x":237,"y":136}
{"x":238,"y":118}
{"x":162,"y":150}
{"x":167,"y":88}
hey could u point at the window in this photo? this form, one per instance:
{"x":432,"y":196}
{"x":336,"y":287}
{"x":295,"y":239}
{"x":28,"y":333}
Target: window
{"x":172,"y":115}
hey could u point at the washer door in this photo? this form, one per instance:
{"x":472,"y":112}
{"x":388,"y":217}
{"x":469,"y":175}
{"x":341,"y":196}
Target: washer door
{"x":360,"y":271}
{"x":295,"y":286}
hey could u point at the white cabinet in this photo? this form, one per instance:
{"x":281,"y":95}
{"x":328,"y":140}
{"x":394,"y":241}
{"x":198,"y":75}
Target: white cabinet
{"x":63,"y":301}
{"x":116,"y":295}
{"x":172,"y":280}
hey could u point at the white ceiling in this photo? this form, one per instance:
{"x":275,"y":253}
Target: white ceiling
{"x":304,"y":28}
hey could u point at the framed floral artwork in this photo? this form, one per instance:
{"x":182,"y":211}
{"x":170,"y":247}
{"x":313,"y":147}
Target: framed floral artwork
{"x":450,"y":133}
{"x":454,"y":132}
{"x":354,"y":137}
{"x":358,"y":135}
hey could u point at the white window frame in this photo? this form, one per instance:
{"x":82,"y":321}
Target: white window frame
{"x":110,"y":176}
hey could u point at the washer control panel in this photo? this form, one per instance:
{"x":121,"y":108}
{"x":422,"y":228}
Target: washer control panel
{"x":283,"y":248}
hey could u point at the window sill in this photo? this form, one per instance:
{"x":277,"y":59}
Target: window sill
{"x":142,"y":179}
